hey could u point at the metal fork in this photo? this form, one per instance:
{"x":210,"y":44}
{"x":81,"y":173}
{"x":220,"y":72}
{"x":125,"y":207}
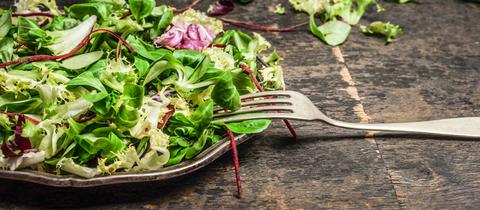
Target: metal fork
{"x":296,"y":106}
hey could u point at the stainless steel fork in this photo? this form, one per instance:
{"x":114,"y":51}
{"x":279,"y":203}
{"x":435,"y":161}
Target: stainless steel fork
{"x":296,"y":106}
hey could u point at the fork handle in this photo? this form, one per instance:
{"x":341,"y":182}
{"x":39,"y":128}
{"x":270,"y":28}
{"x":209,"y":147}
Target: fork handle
{"x":468,"y":127}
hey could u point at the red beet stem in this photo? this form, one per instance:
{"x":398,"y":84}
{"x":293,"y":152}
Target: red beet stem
{"x":219,"y":45}
{"x":167,"y":116}
{"x":260,"y":88}
{"x":24,"y":44}
{"x":261,"y":28}
{"x":235,"y":161}
{"x":252,"y":77}
{"x":126,"y":15}
{"x":85,"y":118}
{"x":194,"y":3}
{"x":34,"y":14}
{"x":67,"y":55}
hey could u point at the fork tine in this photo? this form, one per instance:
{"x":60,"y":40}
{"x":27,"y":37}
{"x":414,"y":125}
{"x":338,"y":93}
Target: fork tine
{"x":267,"y":94}
{"x":271,"y":101}
{"x":255,"y":109}
{"x":274,"y":115}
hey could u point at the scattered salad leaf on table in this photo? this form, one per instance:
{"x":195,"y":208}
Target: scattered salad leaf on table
{"x":389,"y":30}
{"x":280,"y":9}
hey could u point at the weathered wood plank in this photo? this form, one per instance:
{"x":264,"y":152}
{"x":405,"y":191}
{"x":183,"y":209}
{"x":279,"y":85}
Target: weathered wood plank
{"x":431,"y":72}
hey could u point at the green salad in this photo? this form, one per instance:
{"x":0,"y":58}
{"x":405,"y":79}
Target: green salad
{"x":109,"y":86}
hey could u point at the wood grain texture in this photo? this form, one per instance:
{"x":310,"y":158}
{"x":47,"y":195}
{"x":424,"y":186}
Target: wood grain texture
{"x":431,"y":72}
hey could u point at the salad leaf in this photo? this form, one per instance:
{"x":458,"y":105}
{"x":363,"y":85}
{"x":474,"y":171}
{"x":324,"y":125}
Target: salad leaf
{"x":165,"y":63}
{"x":142,"y":66}
{"x":26,"y":106}
{"x":60,"y":23}
{"x":80,"y":11}
{"x":65,"y":41}
{"x":203,"y":115}
{"x":280,"y":9}
{"x":226,"y":94}
{"x":198,"y":146}
{"x":146,"y":50}
{"x":69,"y":165}
{"x":389,"y":30}
{"x":161,"y":25}
{"x":311,"y":7}
{"x":82,"y":61}
{"x":333,"y":32}
{"x":117,"y":4}
{"x":5,"y":24}
{"x":36,"y":5}
{"x":87,"y":79}
{"x":24,"y":29}
{"x":249,"y":126}
{"x":141,"y":8}
{"x":6,"y":49}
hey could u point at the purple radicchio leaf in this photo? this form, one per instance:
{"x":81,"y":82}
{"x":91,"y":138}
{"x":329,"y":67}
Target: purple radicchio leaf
{"x":220,"y":7}
{"x":7,"y":151}
{"x":180,"y":36}
{"x":21,"y":142}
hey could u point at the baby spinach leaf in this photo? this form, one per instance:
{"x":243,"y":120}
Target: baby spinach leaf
{"x":199,"y":70}
{"x":141,"y":8}
{"x":161,"y":24}
{"x":90,"y":145}
{"x":117,"y":4}
{"x":60,"y":23}
{"x":5,"y":24}
{"x":165,"y":63}
{"x":146,"y":50}
{"x":190,"y":58}
{"x":87,"y":79}
{"x":127,"y":116}
{"x":79,"y":11}
{"x":198,"y":146}
{"x":226,"y":94}
{"x":242,"y":82}
{"x":24,"y":26}
{"x":133,"y":95}
{"x":96,"y":97}
{"x":104,"y":106}
{"x":115,"y":146}
{"x":6,"y":49}
{"x":177,"y":157}
{"x":141,"y":65}
{"x":203,"y":115}
{"x":249,"y":126}
{"x":81,"y":61}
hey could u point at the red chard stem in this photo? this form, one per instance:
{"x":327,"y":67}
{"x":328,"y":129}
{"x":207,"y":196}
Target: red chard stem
{"x":260,"y":88}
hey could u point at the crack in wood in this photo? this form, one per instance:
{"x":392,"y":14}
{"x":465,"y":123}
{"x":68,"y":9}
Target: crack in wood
{"x":359,"y":111}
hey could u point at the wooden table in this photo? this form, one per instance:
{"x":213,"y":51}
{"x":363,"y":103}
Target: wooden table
{"x":431,"y":72}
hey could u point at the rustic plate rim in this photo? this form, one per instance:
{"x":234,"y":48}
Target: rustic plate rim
{"x":201,"y":160}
